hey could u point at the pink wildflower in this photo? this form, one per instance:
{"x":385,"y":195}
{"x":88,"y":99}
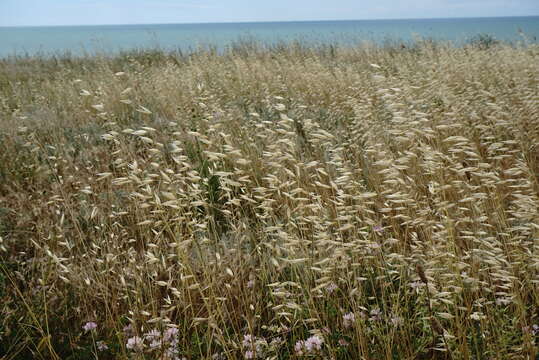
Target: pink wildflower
{"x":331,"y":288}
{"x":170,"y":334}
{"x":89,"y":326}
{"x":152,"y":334}
{"x":298,"y":348}
{"x":248,"y":340}
{"x":376,"y":315}
{"x":128,"y":330}
{"x":349,"y":319}
{"x":101,"y":346}
{"x":313,"y":343}
{"x":135,"y":343}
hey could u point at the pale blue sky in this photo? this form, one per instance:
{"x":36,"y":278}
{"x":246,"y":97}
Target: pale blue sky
{"x":93,"y":12}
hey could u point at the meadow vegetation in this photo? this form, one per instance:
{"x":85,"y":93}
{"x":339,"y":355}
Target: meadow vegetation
{"x":284,"y":202}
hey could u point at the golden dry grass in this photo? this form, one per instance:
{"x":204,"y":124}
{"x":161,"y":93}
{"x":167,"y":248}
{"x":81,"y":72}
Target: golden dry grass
{"x":382,"y":201}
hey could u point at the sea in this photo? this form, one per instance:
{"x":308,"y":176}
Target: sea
{"x":110,"y":39}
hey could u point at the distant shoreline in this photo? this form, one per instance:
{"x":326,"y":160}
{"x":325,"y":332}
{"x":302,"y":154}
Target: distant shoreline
{"x":270,"y":22}
{"x":82,"y":40}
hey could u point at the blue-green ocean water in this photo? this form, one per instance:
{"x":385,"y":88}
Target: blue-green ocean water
{"x":81,"y":40}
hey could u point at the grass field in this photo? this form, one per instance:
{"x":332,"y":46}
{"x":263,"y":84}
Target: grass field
{"x":289,"y":202}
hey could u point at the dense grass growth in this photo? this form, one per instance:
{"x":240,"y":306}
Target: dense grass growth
{"x":283,"y":203}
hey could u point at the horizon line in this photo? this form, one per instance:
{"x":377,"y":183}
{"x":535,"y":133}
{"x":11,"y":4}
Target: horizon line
{"x":271,"y":21}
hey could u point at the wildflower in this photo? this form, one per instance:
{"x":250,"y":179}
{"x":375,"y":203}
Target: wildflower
{"x":532,"y":330}
{"x":152,"y":335}
{"x":298,"y":348}
{"x":376,"y":315}
{"x":128,"y":330}
{"x":314,"y":343}
{"x":135,"y":343}
{"x":101,"y":346}
{"x":255,"y":345}
{"x":379,"y":229}
{"x":416,"y":285}
{"x":170,"y":334}
{"x":349,"y":319}
{"x":248,"y":340}
{"x":250,"y":284}
{"x":89,"y":326}
{"x":311,"y":345}
{"x":331,"y":288}
{"x":249,"y":354}
{"x":172,"y":353}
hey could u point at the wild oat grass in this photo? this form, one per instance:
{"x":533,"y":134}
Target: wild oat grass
{"x":286,"y":202}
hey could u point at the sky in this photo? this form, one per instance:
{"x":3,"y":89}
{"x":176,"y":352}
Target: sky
{"x":97,"y":12}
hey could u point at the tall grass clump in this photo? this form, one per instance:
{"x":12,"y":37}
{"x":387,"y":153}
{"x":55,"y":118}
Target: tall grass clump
{"x":279,"y":202}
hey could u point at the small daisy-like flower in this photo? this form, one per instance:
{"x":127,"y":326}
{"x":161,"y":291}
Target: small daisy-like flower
{"x":349,"y":319}
{"x":170,"y":334}
{"x":298,"y":348}
{"x":376,"y":315}
{"x":101,"y":346}
{"x":156,"y":344}
{"x":248,"y":340}
{"x":331,"y":288}
{"x":313,"y":343}
{"x":249,"y":354}
{"x":128,"y":330}
{"x":89,"y":326}
{"x":416,"y":285}
{"x":532,"y":330}
{"x":135,"y":343}
{"x":254,"y":345}
{"x":173,"y":352}
{"x":152,"y":335}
